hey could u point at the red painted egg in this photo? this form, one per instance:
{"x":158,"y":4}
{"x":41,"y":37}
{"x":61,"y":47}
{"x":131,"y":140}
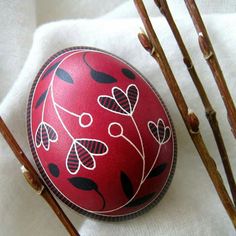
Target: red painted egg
{"x":100,"y":135}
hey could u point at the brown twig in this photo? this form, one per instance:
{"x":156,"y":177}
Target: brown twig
{"x":190,"y":119}
{"x":209,"y":111}
{"x":210,"y":56}
{"x":34,"y":180}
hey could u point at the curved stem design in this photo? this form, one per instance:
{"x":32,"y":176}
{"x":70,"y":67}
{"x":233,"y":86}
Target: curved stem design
{"x":140,"y":138}
{"x":142,"y":155}
{"x":133,"y":145}
{"x":58,"y":115}
{"x":143,"y":152}
{"x":103,"y":199}
{"x":153,"y":164}
{"x":67,"y":111}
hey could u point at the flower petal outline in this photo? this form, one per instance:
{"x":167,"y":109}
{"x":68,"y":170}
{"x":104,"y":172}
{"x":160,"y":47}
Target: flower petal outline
{"x":85,"y":157}
{"x":45,"y":134}
{"x":110,"y":104}
{"x":159,"y":131}
{"x":121,"y":102}
{"x":72,"y":160}
{"x":133,"y":96}
{"x":82,"y":152}
{"x":94,"y":146}
{"x":121,"y":99}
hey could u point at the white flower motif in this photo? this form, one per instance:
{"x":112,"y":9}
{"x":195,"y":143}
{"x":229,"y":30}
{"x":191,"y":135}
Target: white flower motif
{"x":45,"y":134}
{"x":82,"y":152}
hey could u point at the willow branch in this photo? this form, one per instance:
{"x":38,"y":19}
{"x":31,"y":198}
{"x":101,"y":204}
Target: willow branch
{"x":210,"y":56}
{"x":34,"y":180}
{"x":190,"y":119}
{"x":209,"y":111}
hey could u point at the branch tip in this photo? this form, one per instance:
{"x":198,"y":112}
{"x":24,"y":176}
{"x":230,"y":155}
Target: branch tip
{"x":146,"y":43}
{"x":206,"y":50}
{"x":33,"y":180}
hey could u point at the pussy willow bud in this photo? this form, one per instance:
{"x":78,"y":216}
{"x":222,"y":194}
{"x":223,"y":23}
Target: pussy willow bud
{"x":193,"y":122}
{"x":144,"y":40}
{"x":204,"y":47}
{"x":33,"y":180}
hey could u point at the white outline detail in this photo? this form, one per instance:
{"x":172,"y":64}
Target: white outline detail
{"x":55,"y":105}
{"x":40,"y":143}
{"x":40,"y":126}
{"x":67,"y":111}
{"x":125,"y":114}
{"x":127,"y":90}
{"x":114,"y":97}
{"x":79,"y":162}
{"x":142,"y":154}
{"x":153,"y":164}
{"x":155,"y":94}
{"x":140,"y":209}
{"x":123,"y":136}
{"x":173,"y":154}
{"x":165,"y":128}
{"x":112,"y":135}
{"x":56,"y":187}
{"x":143,"y":160}
{"x":46,"y":148}
{"x":132,"y":144}
{"x":140,"y":137}
{"x":90,"y":153}
{"x":80,"y":120}
{"x":95,"y":140}
{"x":78,"y":116}
{"x":153,"y":123}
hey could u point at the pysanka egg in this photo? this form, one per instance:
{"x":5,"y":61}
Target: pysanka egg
{"x":100,"y":135}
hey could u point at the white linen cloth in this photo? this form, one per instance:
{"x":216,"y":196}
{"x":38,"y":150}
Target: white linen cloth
{"x":191,"y":205}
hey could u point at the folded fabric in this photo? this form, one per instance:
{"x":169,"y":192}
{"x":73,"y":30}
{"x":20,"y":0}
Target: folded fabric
{"x":191,"y":205}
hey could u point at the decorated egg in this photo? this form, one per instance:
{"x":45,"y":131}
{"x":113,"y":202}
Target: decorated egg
{"x":100,"y":135}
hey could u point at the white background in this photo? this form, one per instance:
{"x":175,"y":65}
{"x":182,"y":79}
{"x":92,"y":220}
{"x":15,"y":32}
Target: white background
{"x":31,"y":31}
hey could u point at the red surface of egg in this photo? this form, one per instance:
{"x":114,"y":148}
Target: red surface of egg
{"x":100,"y":135}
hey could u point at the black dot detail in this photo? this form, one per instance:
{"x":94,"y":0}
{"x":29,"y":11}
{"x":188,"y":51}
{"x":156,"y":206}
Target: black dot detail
{"x":54,"y":170}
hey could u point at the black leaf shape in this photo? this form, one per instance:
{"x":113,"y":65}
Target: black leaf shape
{"x":157,"y":170}
{"x":50,"y":69}
{"x":41,"y":98}
{"x":98,"y":76}
{"x":87,"y":185}
{"x":63,"y":75}
{"x":128,"y":73}
{"x":102,"y":77}
{"x":83,"y":183}
{"x":141,"y":200}
{"x":54,"y":170}
{"x":126,"y":185}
